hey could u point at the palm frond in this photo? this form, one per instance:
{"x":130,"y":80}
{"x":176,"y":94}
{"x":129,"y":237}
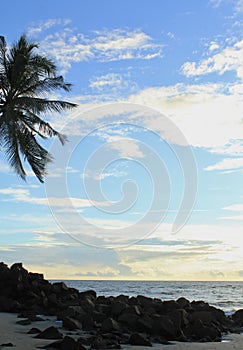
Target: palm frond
{"x":35,"y":154}
{"x":25,"y":79}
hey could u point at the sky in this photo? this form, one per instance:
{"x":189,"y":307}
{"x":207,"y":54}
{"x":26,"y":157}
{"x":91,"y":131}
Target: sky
{"x":149,"y":184}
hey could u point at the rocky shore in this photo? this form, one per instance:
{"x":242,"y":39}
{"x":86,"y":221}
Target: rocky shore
{"x":88,"y":321}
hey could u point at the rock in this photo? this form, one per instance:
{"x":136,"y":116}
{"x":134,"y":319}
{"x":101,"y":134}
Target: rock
{"x":237,"y":317}
{"x":117,"y":308}
{"x":87,"y":304}
{"x":110,"y":325}
{"x":33,"y":276}
{"x":87,"y":322}
{"x":133,"y":309}
{"x":162,"y":325}
{"x":200,"y":305}
{"x":98,"y":316}
{"x":98,"y":342}
{"x":122,"y":298}
{"x":59,"y":287}
{"x":69,"y":312}
{"x":89,"y":293}
{"x":50,"y":333}
{"x":144,"y":301}
{"x":168,"y":306}
{"x":200,"y":332}
{"x":7,"y":345}
{"x":34,"y":331}
{"x":71,"y":323}
{"x":184,"y":303}
{"x":128,"y":320}
{"x":144,"y":324}
{"x":106,"y":341}
{"x":24,"y":322}
{"x":138,"y":339}
{"x":4,"y":272}
{"x":69,"y":343}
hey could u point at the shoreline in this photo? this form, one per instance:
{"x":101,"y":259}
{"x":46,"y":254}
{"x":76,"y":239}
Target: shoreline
{"x":82,"y":320}
{"x":16,"y":334}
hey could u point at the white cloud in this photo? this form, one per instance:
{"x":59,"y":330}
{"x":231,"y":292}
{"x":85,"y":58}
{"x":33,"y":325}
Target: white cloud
{"x":232,"y":218}
{"x":126,"y":147}
{"x":23,"y":195}
{"x":119,"y":44}
{"x":216,"y":3}
{"x":4,"y":168}
{"x":237,"y":4}
{"x":113,"y":85}
{"x":213,"y":46}
{"x":229,"y":59}
{"x":107,"y":81}
{"x":234,"y":207}
{"x":205,"y":115}
{"x":226,"y":164}
{"x":47,"y":24}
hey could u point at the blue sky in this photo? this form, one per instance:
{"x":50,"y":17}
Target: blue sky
{"x":149,"y":185}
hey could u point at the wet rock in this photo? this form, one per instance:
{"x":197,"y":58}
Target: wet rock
{"x":24,"y":322}
{"x":138,"y":339}
{"x":50,"y":333}
{"x":71,"y":323}
{"x":34,"y":330}
{"x":88,"y":293}
{"x":164,"y":326}
{"x":202,"y":333}
{"x":68,"y":343}
{"x":7,"y":345}
{"x":184,"y":303}
{"x":237,"y":317}
{"x":128,"y":321}
{"x":110,"y":325}
{"x":104,"y":342}
{"x":59,"y":287}
{"x":144,"y":324}
{"x":117,"y":308}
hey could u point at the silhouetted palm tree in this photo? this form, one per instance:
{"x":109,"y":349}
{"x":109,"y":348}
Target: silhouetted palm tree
{"x":25,"y":79}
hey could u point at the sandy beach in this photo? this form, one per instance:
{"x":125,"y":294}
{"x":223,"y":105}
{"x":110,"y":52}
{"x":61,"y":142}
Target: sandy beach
{"x":17,"y":334}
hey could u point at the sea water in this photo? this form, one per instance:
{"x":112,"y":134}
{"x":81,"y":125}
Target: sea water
{"x":227,"y":296}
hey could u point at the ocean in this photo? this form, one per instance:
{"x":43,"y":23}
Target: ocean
{"x":227,"y":296}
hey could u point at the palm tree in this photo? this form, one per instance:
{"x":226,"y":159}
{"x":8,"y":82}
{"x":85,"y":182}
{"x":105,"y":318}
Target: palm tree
{"x":25,"y":79}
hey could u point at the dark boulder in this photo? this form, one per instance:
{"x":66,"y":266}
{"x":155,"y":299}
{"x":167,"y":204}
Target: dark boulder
{"x":50,"y":333}
{"x":71,"y":323}
{"x":237,"y":317}
{"x":200,"y":332}
{"x":138,"y":339}
{"x":117,"y":308}
{"x":68,"y":343}
{"x":110,"y":325}
{"x":88,"y":293}
{"x":34,"y":331}
{"x":162,"y":325}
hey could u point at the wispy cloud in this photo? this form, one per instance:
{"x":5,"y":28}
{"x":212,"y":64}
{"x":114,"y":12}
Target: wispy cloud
{"x":68,"y":47}
{"x":228,"y":59}
{"x":23,"y":195}
{"x":41,"y":26}
{"x":234,"y":207}
{"x":233,"y":164}
{"x":106,"y":81}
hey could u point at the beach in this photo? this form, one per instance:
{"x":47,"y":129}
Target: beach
{"x":17,"y":334}
{"x":36,"y":313}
